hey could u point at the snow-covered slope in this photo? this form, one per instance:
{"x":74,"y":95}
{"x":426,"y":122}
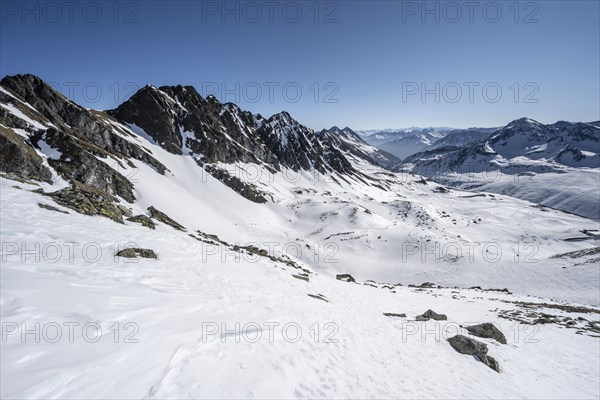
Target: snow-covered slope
{"x":462,"y":137}
{"x":189,"y":325}
{"x":258,"y":241}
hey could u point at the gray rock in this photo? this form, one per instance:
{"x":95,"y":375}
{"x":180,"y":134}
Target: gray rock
{"x":247,"y":190}
{"x":487,"y":330}
{"x":345,"y":278}
{"x":492,"y":363}
{"x":472,"y":347}
{"x":466,"y":345}
{"x":302,"y":277}
{"x":165,"y":219}
{"x":144,"y":220}
{"x":87,"y":200}
{"x":403,"y":315}
{"x":135,"y":252}
{"x":430,"y":314}
{"x":51,"y":208}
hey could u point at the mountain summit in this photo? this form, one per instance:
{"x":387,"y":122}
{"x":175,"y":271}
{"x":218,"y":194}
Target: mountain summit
{"x":180,"y":120}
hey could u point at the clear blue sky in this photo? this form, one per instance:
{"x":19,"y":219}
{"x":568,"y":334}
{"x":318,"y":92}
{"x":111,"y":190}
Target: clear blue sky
{"x":371,"y":56}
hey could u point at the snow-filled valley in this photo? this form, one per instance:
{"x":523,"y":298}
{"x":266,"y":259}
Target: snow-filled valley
{"x":190,"y":325}
{"x":271,"y":254}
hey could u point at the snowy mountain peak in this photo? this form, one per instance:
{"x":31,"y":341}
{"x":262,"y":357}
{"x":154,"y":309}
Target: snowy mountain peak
{"x":283,"y":118}
{"x":564,"y":152}
{"x":525,"y":123}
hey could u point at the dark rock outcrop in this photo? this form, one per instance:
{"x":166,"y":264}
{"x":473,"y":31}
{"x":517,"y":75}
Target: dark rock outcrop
{"x":180,"y":120}
{"x":345,"y":278}
{"x":79,"y":136}
{"x":89,"y":201}
{"x":142,"y":219}
{"x":165,"y":219}
{"x":426,"y":285}
{"x":19,"y":158}
{"x":247,"y":190}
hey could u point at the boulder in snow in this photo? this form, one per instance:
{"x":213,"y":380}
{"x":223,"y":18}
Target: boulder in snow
{"x":345,"y":278}
{"x":134,"y":252}
{"x":472,"y":347}
{"x":430,"y":314}
{"x":487,"y":330}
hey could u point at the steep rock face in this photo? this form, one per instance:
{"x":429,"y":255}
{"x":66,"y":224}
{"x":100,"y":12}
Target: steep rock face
{"x":74,"y":138}
{"x":349,"y":141}
{"x":92,"y":126}
{"x":81,"y":165}
{"x":180,"y":120}
{"x":157,"y":114}
{"x":295,"y":145}
{"x":18,"y":157}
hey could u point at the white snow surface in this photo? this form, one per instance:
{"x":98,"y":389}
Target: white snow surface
{"x":195,"y":313}
{"x":166,"y":311}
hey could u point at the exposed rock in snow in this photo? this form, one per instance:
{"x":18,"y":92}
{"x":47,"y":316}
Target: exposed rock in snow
{"x":472,"y":347}
{"x":345,"y":278}
{"x":430,"y":314}
{"x":143,"y":220}
{"x":165,"y":219}
{"x":134,"y":252}
{"x":488,"y":331}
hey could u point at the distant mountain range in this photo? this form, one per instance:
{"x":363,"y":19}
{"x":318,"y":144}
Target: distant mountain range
{"x":555,"y":165}
{"x":403,"y":143}
{"x":44,"y":136}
